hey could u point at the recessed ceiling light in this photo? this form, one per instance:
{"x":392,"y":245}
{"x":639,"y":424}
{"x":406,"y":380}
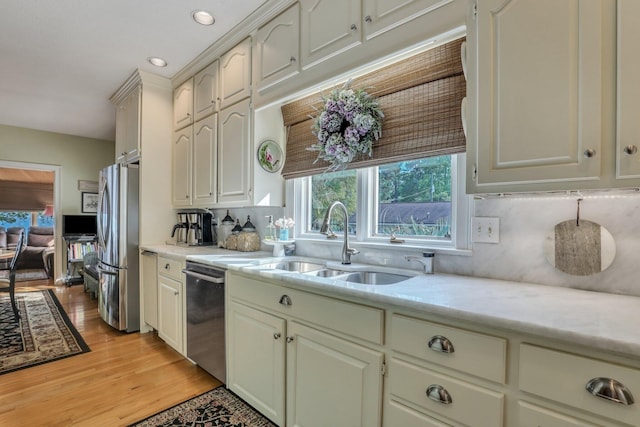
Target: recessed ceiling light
{"x":157,"y":62}
{"x":203,"y":17}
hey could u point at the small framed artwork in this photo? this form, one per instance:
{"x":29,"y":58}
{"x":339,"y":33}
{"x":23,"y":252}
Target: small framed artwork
{"x":89,"y":202}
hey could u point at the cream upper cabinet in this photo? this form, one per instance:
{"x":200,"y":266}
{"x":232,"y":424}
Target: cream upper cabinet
{"x":628,"y":125}
{"x":181,"y":170}
{"x":277,"y":49}
{"x":328,"y":28}
{"x":235,"y":159}
{"x":205,"y":86}
{"x":235,"y":74}
{"x":537,"y":90}
{"x":183,"y":105}
{"x":380,"y":16}
{"x":128,"y":127}
{"x":205,"y":146}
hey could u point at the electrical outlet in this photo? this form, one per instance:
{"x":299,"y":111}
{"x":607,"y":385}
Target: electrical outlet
{"x":485,"y":229}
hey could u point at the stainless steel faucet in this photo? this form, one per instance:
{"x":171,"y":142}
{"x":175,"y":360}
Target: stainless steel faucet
{"x":426,"y":259}
{"x":325,"y":229}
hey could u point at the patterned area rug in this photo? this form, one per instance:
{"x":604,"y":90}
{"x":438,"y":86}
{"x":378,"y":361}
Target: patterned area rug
{"x":26,"y":275}
{"x":44,"y":333}
{"x":218,"y":407}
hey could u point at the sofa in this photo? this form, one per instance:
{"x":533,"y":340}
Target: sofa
{"x":39,"y":250}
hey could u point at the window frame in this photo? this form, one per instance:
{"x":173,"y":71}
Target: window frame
{"x":298,"y":190}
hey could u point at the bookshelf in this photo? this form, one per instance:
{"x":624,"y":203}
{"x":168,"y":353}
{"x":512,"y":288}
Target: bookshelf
{"x":77,"y":247}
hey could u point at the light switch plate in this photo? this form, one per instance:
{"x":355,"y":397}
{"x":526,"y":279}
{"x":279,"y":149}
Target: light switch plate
{"x":485,"y":229}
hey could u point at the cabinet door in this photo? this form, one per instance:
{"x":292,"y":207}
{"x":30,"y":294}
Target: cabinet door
{"x":235,"y":74}
{"x":206,"y":91}
{"x":205,"y":145}
{"x":150,"y":289}
{"x":181,"y":171}
{"x":327,"y":28}
{"x":324,"y":372}
{"x":278,"y":48}
{"x":234,"y":154}
{"x":128,"y":128}
{"x":170,"y":312}
{"x":381,"y":16}
{"x":539,"y":83}
{"x":628,"y":142}
{"x":256,"y":359}
{"x":183,"y":105}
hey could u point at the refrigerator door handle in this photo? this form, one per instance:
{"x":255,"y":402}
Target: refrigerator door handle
{"x":102,"y":214}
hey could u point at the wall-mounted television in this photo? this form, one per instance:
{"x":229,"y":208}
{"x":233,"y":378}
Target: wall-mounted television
{"x":79,"y":225}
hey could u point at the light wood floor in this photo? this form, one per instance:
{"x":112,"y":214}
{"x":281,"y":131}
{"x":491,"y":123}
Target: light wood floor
{"x":125,"y":377}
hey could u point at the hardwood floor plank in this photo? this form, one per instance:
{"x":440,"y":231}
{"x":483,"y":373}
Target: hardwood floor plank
{"x":124,"y":378}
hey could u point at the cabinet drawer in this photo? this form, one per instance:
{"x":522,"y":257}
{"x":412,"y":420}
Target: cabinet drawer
{"x":400,"y":415}
{"x":469,"y":403}
{"x":473,"y":353}
{"x":535,"y":416}
{"x":170,"y":268}
{"x":352,"y":319}
{"x":562,"y":378}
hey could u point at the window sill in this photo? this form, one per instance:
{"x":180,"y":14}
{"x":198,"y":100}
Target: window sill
{"x":410,"y":246}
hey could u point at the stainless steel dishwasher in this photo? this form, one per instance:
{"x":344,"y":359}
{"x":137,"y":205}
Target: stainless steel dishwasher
{"x":205,"y":318}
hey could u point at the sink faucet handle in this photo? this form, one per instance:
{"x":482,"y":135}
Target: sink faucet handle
{"x":353,"y":251}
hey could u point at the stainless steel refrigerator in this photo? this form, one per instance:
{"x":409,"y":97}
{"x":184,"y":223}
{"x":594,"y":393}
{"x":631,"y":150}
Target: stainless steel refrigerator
{"x":119,"y":293}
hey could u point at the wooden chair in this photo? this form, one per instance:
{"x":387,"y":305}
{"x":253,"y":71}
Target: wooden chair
{"x":9,"y":285}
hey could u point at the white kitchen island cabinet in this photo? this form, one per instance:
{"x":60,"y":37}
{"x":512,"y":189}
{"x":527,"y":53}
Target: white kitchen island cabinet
{"x":286,"y":350}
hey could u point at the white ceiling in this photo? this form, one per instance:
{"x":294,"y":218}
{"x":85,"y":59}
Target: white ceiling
{"x":61,"y":60}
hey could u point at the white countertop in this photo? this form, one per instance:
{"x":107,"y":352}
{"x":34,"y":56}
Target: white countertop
{"x":602,"y":321}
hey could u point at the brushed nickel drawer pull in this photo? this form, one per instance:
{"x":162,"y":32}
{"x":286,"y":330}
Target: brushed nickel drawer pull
{"x":610,"y":389}
{"x":441,"y":344}
{"x":439,"y":394}
{"x":286,"y":300}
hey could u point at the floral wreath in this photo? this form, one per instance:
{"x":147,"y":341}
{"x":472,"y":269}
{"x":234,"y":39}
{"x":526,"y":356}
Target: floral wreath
{"x":346,"y":126}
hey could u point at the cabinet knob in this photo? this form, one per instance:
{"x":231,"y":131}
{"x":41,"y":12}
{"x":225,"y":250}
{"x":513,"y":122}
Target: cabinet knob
{"x":292,"y":59}
{"x":277,"y":336}
{"x":610,"y":389}
{"x":286,"y":300}
{"x":289,"y":339}
{"x":441,"y":344}
{"x":590,"y":153}
{"x":167,"y":266}
{"x":175,"y":293}
{"x":630,"y":149}
{"x":354,"y":27}
{"x":368,"y":18}
{"x":439,"y":394}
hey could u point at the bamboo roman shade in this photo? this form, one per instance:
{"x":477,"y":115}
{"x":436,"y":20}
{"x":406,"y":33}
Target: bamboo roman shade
{"x":421,"y":98}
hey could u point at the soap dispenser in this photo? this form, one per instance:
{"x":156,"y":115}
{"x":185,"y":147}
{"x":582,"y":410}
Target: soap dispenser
{"x":270,"y":229}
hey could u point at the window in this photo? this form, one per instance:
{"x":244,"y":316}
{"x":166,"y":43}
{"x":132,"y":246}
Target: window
{"x":419,"y":201}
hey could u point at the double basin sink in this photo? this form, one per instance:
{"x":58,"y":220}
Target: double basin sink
{"x":365,"y":277}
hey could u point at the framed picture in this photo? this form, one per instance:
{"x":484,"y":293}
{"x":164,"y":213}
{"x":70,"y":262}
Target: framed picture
{"x":89,"y":202}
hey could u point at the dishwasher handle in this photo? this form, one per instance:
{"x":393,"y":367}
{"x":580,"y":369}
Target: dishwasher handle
{"x":212,"y":279}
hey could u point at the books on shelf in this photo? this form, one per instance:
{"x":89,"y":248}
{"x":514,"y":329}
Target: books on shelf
{"x":78,"y":250}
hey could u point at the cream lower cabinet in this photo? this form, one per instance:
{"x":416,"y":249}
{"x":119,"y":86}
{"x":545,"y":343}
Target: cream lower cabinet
{"x":284,"y":352}
{"x":171,"y":302}
{"x":149,"y":299}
